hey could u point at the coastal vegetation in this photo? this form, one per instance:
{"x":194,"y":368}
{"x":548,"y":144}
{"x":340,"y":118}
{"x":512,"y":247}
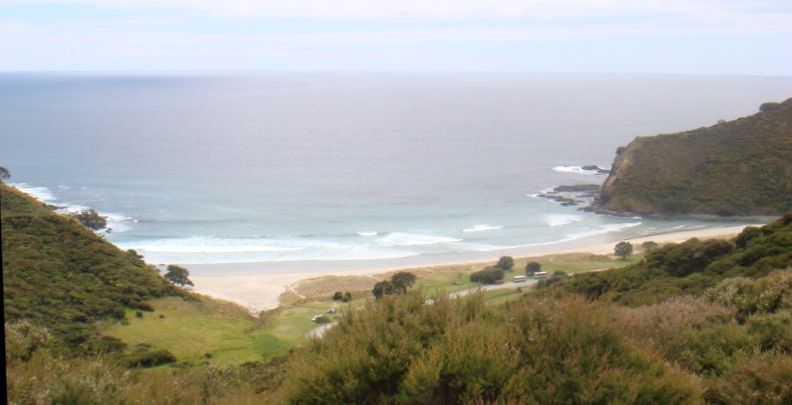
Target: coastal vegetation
{"x":59,"y":274}
{"x":91,"y":219}
{"x":740,"y":167}
{"x":703,"y":321}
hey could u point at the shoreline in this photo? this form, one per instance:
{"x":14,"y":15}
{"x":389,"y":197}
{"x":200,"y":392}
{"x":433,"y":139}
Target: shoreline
{"x":262,"y":290}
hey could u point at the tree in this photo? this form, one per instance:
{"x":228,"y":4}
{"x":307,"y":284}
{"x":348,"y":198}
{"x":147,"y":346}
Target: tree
{"x":488,"y":275}
{"x":649,"y":246}
{"x":347,"y":297}
{"x":505,"y":263}
{"x":338,"y":296}
{"x":403,"y":280}
{"x":382,"y":288}
{"x":4,"y":173}
{"x":91,"y":219}
{"x":623,"y":249}
{"x":533,"y":267}
{"x":178,"y":275}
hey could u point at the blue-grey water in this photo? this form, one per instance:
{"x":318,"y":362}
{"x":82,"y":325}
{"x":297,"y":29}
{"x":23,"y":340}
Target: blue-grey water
{"x":284,"y":167}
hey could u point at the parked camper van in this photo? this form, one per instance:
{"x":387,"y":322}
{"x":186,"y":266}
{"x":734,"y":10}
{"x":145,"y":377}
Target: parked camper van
{"x":519,"y":279}
{"x":540,"y":274}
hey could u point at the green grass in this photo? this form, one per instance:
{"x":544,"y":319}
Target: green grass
{"x":292,"y":324}
{"x":592,"y":263}
{"x":189,"y":330}
{"x":445,"y":281}
{"x":498,"y":297}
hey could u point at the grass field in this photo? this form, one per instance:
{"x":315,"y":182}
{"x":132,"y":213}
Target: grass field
{"x":190,"y":330}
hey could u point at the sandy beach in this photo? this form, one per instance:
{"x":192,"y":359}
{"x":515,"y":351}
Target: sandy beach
{"x":263,"y":291}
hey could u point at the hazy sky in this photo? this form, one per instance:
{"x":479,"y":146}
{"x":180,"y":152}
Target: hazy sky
{"x":612,"y":36}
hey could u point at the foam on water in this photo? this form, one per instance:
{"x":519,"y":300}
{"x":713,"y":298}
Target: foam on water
{"x":561,"y":219}
{"x":576,"y":170}
{"x":115,"y":222}
{"x":414,"y":239}
{"x":367,"y":233}
{"x":482,"y":228}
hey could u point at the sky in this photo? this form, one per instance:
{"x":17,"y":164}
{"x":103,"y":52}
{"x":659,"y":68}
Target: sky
{"x":709,"y":37}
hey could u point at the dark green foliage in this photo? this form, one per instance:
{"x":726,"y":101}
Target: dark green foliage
{"x":688,"y":268}
{"x":688,"y":257}
{"x":59,"y":274}
{"x":765,"y":107}
{"x":488,"y":275}
{"x":91,"y":219}
{"x":741,"y":167}
{"x":554,"y":278}
{"x":338,"y":296}
{"x":505,"y":263}
{"x":403,"y":280}
{"x":347,"y":297}
{"x":623,"y":249}
{"x":178,"y":275}
{"x":532,"y":267}
{"x":382,"y":288}
{"x":460,"y":351}
{"x":649,"y":246}
{"x":148,"y":358}
{"x":398,"y":284}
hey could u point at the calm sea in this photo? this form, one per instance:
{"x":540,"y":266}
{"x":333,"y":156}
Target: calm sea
{"x":285,"y":168}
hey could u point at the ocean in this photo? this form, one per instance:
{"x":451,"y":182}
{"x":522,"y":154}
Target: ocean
{"x":323,"y":169}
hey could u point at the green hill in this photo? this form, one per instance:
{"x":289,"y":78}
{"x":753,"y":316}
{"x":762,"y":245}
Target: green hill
{"x":59,"y":274}
{"x":740,"y":167}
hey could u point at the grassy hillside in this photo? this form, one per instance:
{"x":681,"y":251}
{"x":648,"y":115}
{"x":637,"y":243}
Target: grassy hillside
{"x":58,"y":274}
{"x":740,"y":167}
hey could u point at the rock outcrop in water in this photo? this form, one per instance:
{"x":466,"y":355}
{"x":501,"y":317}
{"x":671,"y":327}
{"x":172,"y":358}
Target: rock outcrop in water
{"x":740,"y":167}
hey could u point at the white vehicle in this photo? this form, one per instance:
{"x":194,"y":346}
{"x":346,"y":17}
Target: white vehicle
{"x":519,"y":279}
{"x":540,"y":274}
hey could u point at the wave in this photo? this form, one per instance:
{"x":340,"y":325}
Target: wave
{"x":414,"y":239}
{"x":576,"y":170}
{"x":603,"y":229}
{"x":482,"y":228}
{"x":367,"y":233}
{"x":202,"y":250}
{"x":42,"y":194}
{"x":212,"y":245}
{"x":561,"y":219}
{"x":115,"y":222}
{"x":600,"y":230}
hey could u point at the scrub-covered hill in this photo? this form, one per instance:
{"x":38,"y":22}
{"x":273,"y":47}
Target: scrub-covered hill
{"x":740,"y":167}
{"x":60,"y":275}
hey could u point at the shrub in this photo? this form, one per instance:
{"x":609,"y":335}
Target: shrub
{"x":461,"y":351}
{"x":488,"y":275}
{"x":148,"y":358}
{"x":22,"y":339}
{"x":91,"y":219}
{"x":338,"y":296}
{"x":347,"y":297}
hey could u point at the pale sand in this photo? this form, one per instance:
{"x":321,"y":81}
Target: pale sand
{"x":259,"y":292}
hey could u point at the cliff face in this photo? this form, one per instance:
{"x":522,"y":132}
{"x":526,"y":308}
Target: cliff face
{"x":740,"y":167}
